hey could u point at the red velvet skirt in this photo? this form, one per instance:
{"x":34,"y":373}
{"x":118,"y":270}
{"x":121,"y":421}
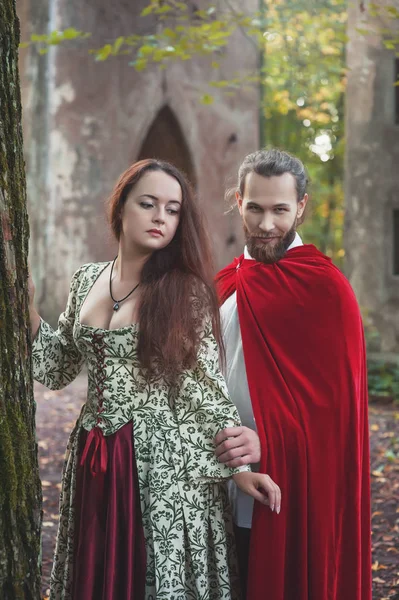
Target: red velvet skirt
{"x":109,"y":560}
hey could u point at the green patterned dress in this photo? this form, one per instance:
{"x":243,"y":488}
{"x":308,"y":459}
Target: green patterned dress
{"x":185,"y":512}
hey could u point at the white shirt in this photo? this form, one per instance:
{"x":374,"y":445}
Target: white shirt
{"x":237,"y":383}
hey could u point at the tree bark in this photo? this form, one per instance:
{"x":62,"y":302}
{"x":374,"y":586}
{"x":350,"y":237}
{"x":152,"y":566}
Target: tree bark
{"x":20,"y":492}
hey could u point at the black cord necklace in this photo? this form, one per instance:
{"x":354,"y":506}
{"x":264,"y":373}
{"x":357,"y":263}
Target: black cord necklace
{"x":117,"y":302}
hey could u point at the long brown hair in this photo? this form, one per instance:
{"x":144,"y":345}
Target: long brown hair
{"x":177,"y":290}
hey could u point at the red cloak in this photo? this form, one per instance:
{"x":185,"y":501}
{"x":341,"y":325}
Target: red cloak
{"x":305,"y":361}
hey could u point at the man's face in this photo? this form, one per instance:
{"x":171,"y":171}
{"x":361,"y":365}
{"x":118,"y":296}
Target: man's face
{"x":270,"y":212}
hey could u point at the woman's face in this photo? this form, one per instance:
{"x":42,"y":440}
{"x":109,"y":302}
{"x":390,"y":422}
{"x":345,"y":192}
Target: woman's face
{"x":151,"y":213}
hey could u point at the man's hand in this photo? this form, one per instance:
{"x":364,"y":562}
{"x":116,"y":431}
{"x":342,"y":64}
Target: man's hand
{"x":261,"y":487}
{"x":237,"y":446}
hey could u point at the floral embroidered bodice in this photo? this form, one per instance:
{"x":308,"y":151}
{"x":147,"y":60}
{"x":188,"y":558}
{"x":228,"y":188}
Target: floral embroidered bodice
{"x":190,"y":414}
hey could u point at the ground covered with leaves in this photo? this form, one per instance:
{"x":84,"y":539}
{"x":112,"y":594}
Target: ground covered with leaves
{"x":57,"y":412}
{"x":384,"y":442}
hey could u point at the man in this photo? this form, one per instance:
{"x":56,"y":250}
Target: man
{"x":296,"y":369}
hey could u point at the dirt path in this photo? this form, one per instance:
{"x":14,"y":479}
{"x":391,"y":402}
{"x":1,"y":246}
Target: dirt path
{"x":57,"y":412}
{"x":55,"y":418}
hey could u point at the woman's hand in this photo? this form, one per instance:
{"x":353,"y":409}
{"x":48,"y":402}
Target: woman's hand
{"x":34,"y":315}
{"x":261,"y":487}
{"x":237,"y":446}
{"x":31,"y":290}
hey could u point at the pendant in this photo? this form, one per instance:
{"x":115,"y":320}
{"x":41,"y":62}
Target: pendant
{"x":116,"y":306}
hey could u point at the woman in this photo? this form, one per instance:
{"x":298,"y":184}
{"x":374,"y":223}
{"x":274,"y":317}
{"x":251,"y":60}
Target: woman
{"x":143,"y":510}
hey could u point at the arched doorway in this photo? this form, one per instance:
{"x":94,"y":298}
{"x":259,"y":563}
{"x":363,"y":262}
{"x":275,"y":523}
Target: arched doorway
{"x":165,"y":140}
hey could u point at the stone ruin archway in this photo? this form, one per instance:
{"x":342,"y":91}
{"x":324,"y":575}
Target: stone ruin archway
{"x":165,"y":140}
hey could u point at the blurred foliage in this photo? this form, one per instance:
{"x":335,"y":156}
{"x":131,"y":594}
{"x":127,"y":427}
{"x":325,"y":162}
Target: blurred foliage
{"x":44,"y":41}
{"x":383,"y":379}
{"x":383,"y":373}
{"x":179,"y":31}
{"x":372,"y":335}
{"x":303,"y":104}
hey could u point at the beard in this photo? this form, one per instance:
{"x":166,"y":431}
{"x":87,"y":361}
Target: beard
{"x":265,"y":252}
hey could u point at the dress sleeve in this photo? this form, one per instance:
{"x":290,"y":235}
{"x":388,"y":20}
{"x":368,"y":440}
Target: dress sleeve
{"x":203,"y":408}
{"x":56,"y":359}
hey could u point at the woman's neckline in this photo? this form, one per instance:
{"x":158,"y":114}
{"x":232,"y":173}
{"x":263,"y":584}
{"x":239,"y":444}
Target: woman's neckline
{"x":92,"y":327}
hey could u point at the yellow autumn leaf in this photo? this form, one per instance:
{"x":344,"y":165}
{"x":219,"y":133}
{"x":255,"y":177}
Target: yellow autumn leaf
{"x":323,"y":118}
{"x":306,"y":113}
{"x":330,"y":51}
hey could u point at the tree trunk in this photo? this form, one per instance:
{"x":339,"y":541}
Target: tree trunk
{"x":20,"y":492}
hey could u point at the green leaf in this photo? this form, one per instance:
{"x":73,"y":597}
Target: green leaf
{"x":362,"y":31}
{"x":201,"y":14}
{"x":169,"y":33}
{"x":38,"y":38}
{"x":162,"y":10}
{"x":72,"y":34}
{"x":145,"y":50}
{"x":148,"y":10}
{"x":207,"y":99}
{"x":55,"y":37}
{"x":118,"y":44}
{"x":391,"y":456}
{"x":132,"y":40}
{"x":221,"y":84}
{"x":140,"y":64}
{"x":104,"y":53}
{"x":158,"y":54}
{"x":393,"y":11}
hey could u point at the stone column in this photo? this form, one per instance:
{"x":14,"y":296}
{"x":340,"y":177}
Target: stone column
{"x":372,"y":176}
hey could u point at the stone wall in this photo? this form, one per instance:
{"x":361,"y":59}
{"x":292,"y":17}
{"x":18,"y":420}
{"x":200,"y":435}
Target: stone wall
{"x":372,"y":176}
{"x":86,"y":121}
